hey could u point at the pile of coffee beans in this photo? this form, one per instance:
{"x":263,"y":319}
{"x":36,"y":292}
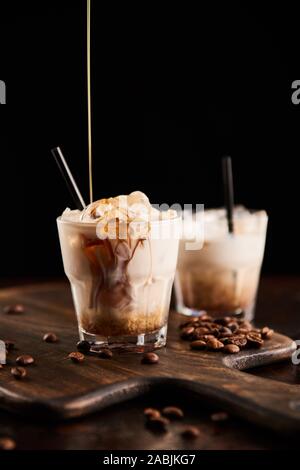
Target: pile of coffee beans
{"x":228,"y":334}
{"x":160,"y":421}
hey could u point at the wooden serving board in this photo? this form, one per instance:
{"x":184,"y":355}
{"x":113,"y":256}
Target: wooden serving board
{"x":56,"y":388}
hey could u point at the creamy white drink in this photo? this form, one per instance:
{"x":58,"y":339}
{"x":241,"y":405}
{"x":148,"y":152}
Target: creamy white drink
{"x":120,"y":256}
{"x":223,"y":276}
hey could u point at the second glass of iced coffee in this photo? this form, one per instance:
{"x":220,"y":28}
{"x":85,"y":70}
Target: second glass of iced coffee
{"x":222,"y":277}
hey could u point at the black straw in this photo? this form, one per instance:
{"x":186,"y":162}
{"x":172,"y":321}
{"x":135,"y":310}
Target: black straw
{"x":228,"y":191}
{"x":68,"y":177}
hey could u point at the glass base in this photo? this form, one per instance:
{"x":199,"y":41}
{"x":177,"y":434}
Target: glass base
{"x":144,"y":342}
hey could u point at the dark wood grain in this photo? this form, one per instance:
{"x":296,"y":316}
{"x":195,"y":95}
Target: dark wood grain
{"x":57,"y":388}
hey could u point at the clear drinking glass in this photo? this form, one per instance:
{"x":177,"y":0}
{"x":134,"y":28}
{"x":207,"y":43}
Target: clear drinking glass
{"x":121,"y":288}
{"x":223,"y":276}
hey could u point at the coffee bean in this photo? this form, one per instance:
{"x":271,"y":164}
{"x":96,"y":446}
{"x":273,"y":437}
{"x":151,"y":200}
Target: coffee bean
{"x":190,"y":322}
{"x":214,"y":344}
{"x":203,"y":324}
{"x":202,"y":330}
{"x":172,"y":412}
{"x":224,"y":340}
{"x":205,"y":337}
{"x":190,"y":432}
{"x":1,"y":366}
{"x":83,"y":346}
{"x":76,"y":357}
{"x":105,"y":354}
{"x":205,"y":317}
{"x":18,"y":372}
{"x":50,"y":338}
{"x":14,"y":309}
{"x":25,"y":360}
{"x":187,"y":332}
{"x":254,"y":340}
{"x":6,"y":443}
{"x":213,"y":326}
{"x":225,"y":330}
{"x":159,"y":424}
{"x":238,"y":340}
{"x":9,"y":345}
{"x":246,"y":324}
{"x":151,"y":413}
{"x":231,"y":349}
{"x":267,"y":332}
{"x":233,"y":326}
{"x":215,"y":332}
{"x":242,"y":331}
{"x":198,"y":344}
{"x":150,"y":358}
{"x":219,"y":416}
{"x":224,"y":335}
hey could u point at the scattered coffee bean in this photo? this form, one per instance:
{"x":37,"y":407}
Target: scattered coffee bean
{"x":18,"y":372}
{"x":25,"y":360}
{"x":1,"y":366}
{"x":6,"y":443}
{"x":186,"y":333}
{"x":198,"y":344}
{"x":76,"y":357}
{"x":105,"y":354}
{"x":219,"y":416}
{"x":14,"y":309}
{"x":50,"y":338}
{"x":158,"y":424}
{"x":254,"y":339}
{"x":150,"y":358}
{"x":173,"y":412}
{"x":267,"y":332}
{"x":214,"y":344}
{"x":231,"y":349}
{"x":9,"y":345}
{"x":190,"y":432}
{"x":83,"y":346}
{"x":151,"y":413}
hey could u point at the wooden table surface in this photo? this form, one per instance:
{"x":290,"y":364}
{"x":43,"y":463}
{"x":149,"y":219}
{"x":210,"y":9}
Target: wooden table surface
{"x":122,"y":426}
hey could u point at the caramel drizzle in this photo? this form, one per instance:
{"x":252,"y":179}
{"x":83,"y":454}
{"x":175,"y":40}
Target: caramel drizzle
{"x":115,"y":294}
{"x":89,"y":99}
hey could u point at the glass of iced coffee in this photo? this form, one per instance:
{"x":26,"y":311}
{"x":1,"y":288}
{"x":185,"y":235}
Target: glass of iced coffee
{"x":120,"y":257}
{"x":222,"y":277}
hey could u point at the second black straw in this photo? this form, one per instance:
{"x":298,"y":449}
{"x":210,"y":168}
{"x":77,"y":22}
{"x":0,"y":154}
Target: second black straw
{"x":228,"y":191}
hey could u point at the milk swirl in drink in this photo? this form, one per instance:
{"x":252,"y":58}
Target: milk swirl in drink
{"x":223,"y":276}
{"x":121,"y":261}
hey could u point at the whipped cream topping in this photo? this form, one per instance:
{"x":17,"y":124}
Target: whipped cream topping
{"x":134,"y":210}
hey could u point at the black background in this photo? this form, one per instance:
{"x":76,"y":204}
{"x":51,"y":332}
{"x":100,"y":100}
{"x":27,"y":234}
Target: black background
{"x":174,"y":89}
